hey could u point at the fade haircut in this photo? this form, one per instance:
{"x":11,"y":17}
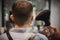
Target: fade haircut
{"x":21,"y":11}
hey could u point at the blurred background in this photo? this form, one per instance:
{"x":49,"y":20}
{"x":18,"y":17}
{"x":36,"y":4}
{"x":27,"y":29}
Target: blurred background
{"x":0,"y":13}
{"x":38,"y":6}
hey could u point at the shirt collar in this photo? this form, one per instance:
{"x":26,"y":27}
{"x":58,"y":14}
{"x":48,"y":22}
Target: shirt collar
{"x":20,"y":30}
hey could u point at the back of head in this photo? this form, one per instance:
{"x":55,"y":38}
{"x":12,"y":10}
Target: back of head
{"x":21,"y":11}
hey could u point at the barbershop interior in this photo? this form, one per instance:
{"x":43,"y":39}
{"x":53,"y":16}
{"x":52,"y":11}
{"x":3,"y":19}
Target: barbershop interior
{"x":46,"y":17}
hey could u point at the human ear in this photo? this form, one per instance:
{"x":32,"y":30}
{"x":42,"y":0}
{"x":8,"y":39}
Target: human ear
{"x":11,"y":17}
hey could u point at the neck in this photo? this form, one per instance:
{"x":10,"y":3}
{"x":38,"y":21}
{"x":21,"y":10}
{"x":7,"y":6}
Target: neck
{"x":24,"y":26}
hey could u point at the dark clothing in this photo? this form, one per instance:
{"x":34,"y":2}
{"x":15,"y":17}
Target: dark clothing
{"x":9,"y":25}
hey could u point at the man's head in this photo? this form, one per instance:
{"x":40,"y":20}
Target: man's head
{"x":22,"y":12}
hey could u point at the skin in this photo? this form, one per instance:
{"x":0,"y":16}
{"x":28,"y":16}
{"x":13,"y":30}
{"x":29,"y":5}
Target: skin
{"x":27,"y":25}
{"x":11,"y":17}
{"x":48,"y":33}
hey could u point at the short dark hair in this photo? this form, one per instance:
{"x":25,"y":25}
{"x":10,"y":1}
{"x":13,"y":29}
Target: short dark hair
{"x":21,"y":11}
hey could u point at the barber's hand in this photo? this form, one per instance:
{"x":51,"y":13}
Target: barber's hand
{"x":49,"y":30}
